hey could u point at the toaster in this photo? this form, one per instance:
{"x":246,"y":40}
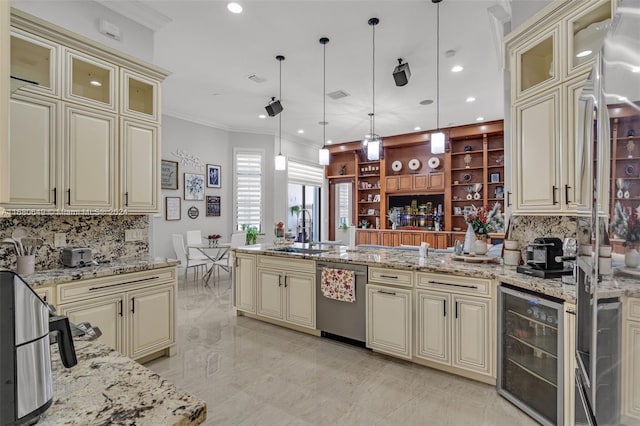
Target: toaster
{"x":76,"y":256}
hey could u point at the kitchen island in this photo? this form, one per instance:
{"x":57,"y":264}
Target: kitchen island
{"x":106,"y":387}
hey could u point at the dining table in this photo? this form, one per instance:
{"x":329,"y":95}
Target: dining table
{"x":215,"y":253}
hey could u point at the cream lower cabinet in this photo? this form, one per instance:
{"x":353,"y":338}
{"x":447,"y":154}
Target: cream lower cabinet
{"x":46,"y":294}
{"x":135,"y":312}
{"x":456,"y":322}
{"x":245,"y":282}
{"x":631,"y":362}
{"x":139,"y":160}
{"x":286,"y":290}
{"x":389,"y":313}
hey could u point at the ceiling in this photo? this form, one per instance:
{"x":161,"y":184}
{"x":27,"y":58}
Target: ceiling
{"x":212,"y":52}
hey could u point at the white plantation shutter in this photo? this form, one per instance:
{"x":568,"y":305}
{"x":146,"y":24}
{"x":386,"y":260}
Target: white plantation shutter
{"x":248,"y":188}
{"x":305,"y":174}
{"x":344,"y":204}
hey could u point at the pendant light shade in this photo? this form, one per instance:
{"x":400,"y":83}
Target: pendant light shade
{"x":323,"y":154}
{"x":437,"y":138}
{"x":280,"y":160}
{"x":372,"y":142}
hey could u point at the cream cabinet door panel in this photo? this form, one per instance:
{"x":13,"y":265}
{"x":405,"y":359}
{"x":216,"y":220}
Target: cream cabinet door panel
{"x":433,"y":326}
{"x":139,"y":166}
{"x":33,"y":155}
{"x":577,"y":153}
{"x":102,"y":312}
{"x":472,"y":341}
{"x":90,"y":158}
{"x":301,"y":299}
{"x":90,"y":80}
{"x":245,"y":271}
{"x":270,"y":294}
{"x":35,"y":59}
{"x":139,"y":95}
{"x":536,"y":149}
{"x":389,"y":320}
{"x":151,"y":313}
{"x":632,"y":376}
{"x":45,"y":293}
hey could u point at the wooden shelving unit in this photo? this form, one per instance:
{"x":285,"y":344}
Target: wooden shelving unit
{"x":368,"y":192}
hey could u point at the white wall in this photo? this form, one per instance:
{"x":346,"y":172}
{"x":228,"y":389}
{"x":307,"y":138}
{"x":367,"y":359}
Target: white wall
{"x":83,"y":17}
{"x":521,"y":10}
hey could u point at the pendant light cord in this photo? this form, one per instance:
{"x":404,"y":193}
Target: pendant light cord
{"x":438,"y":66}
{"x":373,"y":84}
{"x":280,"y":115}
{"x":324,"y":91}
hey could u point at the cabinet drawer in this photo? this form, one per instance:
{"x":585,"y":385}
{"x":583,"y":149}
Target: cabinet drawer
{"x":391,"y":276}
{"x":455,"y":284}
{"x":113,"y":284}
{"x":634,"y":309}
{"x":287,"y":264}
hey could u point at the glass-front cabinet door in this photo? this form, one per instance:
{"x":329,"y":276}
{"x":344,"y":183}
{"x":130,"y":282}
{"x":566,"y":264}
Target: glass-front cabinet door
{"x":90,"y":81}
{"x":34,"y":62}
{"x":537,"y":63}
{"x":139,"y":96}
{"x":586,"y":31}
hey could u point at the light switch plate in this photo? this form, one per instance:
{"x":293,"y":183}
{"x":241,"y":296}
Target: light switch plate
{"x":133,"y":235}
{"x":60,"y":239}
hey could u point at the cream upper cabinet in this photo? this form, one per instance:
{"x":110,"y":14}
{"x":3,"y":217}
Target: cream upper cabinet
{"x":33,"y":152}
{"x":536,"y":63}
{"x":90,"y":81}
{"x":152,"y":313}
{"x":245,"y":282}
{"x":89,"y":158}
{"x":389,"y":319}
{"x":536,"y":153}
{"x":37,"y":61}
{"x":138,"y":96}
{"x":139,"y":166}
{"x":586,"y":29}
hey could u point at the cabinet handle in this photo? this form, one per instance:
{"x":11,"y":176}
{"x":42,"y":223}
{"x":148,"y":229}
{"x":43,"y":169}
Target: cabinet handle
{"x":279,"y":280}
{"x":285,"y":281}
{"x":55,"y":195}
{"x":444,"y":308}
{"x":553,"y":194}
{"x":393,"y":277}
{"x":133,"y":305}
{"x":69,"y":196}
{"x":121,"y":309}
{"x":456,"y":310}
{"x":44,"y":298}
{"x":508,"y":198}
{"x":390,"y":293}
{"x":566,"y":193}
{"x":454,"y":285}
{"x":126,"y":199}
{"x":237,"y":262}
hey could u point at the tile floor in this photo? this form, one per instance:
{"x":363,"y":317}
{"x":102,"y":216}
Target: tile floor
{"x":254,"y":373}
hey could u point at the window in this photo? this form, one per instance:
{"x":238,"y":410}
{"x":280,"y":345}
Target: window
{"x":304,"y":186}
{"x":248,"y":188}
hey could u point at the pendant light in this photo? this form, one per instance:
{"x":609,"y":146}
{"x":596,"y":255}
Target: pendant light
{"x":281,"y":160}
{"x":437,"y":138}
{"x":323,"y":154}
{"x":372,"y":141}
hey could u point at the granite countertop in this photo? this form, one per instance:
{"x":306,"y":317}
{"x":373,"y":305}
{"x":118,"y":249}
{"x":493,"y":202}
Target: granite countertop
{"x":114,"y":267}
{"x":106,"y":387}
{"x":613,"y":286}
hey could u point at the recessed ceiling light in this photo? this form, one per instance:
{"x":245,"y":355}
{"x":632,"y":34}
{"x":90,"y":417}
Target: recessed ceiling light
{"x":262,"y":116}
{"x":234,"y":7}
{"x":417,"y":128}
{"x":329,"y":141}
{"x":300,"y":131}
{"x":471,"y":99}
{"x":457,"y":68}
{"x":95,"y":83}
{"x":583,"y":53}
{"x":426,"y":102}
{"x":480,"y":119}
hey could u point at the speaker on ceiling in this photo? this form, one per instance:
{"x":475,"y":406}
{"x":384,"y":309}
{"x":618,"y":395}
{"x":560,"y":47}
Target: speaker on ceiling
{"x":274,"y":107}
{"x":401,"y":73}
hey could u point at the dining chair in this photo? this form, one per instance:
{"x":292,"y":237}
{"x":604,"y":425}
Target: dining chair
{"x":194,"y":238}
{"x":181,"y":255}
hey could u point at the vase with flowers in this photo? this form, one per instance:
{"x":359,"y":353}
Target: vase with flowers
{"x":482,"y":221}
{"x":627,"y":227}
{"x":213,"y":240}
{"x":278,"y":229}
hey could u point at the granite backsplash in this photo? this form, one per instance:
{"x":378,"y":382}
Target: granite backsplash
{"x":103,"y":234}
{"x":525,"y":229}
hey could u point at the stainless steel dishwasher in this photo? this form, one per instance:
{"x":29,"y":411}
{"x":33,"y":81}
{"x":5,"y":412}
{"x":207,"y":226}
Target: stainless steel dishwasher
{"x":342,"y":320}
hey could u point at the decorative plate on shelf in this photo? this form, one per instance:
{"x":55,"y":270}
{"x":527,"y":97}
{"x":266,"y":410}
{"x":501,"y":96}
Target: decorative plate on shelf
{"x":414,"y":164}
{"x":396,"y":166}
{"x":434,"y":162}
{"x":466,"y":177}
{"x":630,"y":170}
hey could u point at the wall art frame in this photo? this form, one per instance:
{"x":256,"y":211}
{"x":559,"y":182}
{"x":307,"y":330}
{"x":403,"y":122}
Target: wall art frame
{"x":193,"y":187}
{"x":214,"y":176}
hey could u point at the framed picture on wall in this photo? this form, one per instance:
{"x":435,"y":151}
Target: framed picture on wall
{"x":213,"y":176}
{"x":172,"y":208}
{"x":193,"y":187}
{"x":495,"y":177}
{"x":213,"y":205}
{"x":169,"y":174}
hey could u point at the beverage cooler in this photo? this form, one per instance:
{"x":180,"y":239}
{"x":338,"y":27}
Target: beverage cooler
{"x":530,"y":357}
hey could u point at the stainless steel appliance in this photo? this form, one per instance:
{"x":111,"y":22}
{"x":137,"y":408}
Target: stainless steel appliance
{"x":77,"y":256}
{"x":530,"y":355}
{"x":26,"y":385}
{"x":338,"y":319}
{"x":544,"y":259}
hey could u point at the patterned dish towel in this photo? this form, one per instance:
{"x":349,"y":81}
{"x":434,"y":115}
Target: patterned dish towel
{"x":338,"y":284}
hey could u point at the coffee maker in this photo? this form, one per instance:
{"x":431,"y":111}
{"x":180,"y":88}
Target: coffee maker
{"x":26,"y":384}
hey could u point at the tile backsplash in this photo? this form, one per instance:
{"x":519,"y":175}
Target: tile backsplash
{"x":103,"y":234}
